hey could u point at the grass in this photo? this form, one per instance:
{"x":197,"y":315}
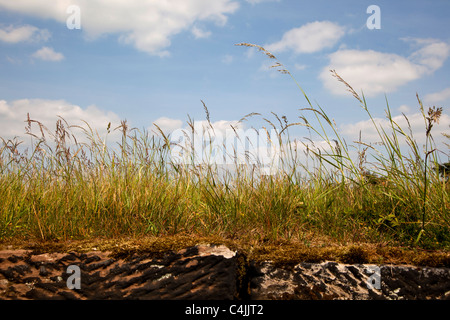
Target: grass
{"x":71,"y":184}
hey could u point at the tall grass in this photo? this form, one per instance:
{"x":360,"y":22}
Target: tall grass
{"x":71,"y":183}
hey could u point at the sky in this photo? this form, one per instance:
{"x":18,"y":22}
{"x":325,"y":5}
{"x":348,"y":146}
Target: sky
{"x":155,"y":61}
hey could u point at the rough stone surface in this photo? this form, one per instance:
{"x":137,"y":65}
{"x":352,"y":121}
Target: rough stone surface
{"x":333,"y":281}
{"x":209,"y":272}
{"x":201,"y":272}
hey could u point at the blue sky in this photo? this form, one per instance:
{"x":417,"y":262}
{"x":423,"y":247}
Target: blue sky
{"x":153,"y":61}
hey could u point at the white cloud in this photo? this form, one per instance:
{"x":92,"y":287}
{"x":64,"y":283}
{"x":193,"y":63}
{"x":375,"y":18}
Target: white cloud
{"x":437,"y":96}
{"x":309,"y":38}
{"x":48,"y":54}
{"x":220,"y":142}
{"x":432,"y":56}
{"x":431,"y":53}
{"x":13,"y":115}
{"x":148,"y":25}
{"x":376,"y":72}
{"x":416,"y":121}
{"x":253,"y":2}
{"x":203,"y":127}
{"x":371,"y":71}
{"x":44,"y":8}
{"x":404,"y":108}
{"x":199,"y":33}
{"x":224,"y":125}
{"x":24,"y":33}
{"x":167,"y":125}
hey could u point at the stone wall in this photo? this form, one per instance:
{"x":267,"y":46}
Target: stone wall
{"x":330,"y":280}
{"x":207,"y":272}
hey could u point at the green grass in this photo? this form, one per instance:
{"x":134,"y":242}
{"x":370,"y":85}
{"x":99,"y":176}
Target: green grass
{"x":63,"y":189}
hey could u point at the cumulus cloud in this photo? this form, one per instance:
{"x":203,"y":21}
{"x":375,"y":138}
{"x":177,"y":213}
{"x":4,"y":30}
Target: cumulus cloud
{"x":13,"y":115}
{"x":220,"y":127}
{"x":432,"y":53}
{"x":437,"y":97}
{"x":203,"y":127}
{"x":376,"y":72}
{"x":309,"y":38}
{"x":210,"y":142}
{"x":167,"y":125}
{"x":48,"y":54}
{"x":148,"y":25}
{"x":371,"y":71}
{"x":24,"y":33}
{"x":369,"y":133}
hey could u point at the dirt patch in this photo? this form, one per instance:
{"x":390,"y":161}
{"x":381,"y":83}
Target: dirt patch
{"x":282,"y":253}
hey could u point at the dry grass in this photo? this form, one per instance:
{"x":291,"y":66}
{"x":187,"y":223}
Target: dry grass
{"x":281,"y":253}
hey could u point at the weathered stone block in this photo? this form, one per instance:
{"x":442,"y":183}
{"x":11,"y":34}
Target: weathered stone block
{"x":201,"y":272}
{"x":330,"y":280}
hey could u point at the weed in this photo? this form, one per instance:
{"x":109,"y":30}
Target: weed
{"x":73,"y":184}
